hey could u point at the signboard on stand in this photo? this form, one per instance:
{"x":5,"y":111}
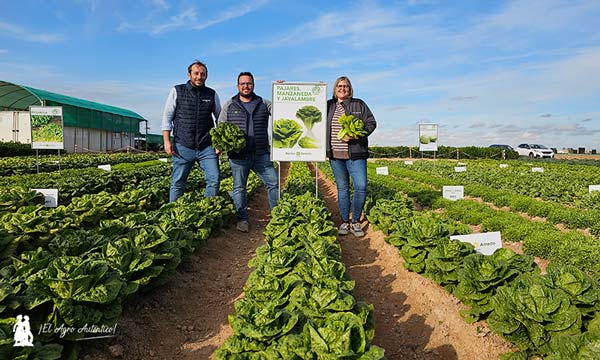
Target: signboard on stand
{"x":299,"y":126}
{"x":47,"y":127}
{"x":428,"y":137}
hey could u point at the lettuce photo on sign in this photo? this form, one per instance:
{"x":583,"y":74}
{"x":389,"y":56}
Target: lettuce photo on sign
{"x":286,"y":133}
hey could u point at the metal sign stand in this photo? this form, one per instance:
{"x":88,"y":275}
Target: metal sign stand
{"x":316,"y":179}
{"x":37,"y":161}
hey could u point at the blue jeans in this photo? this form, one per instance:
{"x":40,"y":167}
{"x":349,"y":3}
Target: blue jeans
{"x":342,"y":171}
{"x":240,"y":169}
{"x":184,"y":160}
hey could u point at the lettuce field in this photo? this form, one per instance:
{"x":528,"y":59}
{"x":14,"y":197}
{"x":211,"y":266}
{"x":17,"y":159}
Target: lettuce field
{"x":176,"y":281}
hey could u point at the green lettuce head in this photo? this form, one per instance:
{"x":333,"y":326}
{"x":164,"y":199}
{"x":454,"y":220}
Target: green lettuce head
{"x":286,"y":133}
{"x":424,"y":139}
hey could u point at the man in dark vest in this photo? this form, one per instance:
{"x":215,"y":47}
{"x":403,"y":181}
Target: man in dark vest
{"x":251,"y":113}
{"x":188,"y":113}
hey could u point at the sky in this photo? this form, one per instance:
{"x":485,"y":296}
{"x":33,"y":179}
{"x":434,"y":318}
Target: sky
{"x":487,"y":71}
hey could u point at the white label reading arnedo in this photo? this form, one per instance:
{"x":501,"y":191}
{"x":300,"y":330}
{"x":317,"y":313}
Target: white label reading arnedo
{"x":104,"y":167}
{"x":484,"y":243}
{"x":594,"y":188}
{"x":382,"y":170}
{"x":453,"y":192}
{"x":50,"y":195}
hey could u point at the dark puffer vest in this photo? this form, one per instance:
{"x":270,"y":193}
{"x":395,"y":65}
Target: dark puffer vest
{"x":193,"y":116}
{"x":237,"y":114}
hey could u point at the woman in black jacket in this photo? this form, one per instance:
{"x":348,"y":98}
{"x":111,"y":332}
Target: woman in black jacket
{"x":348,"y":156}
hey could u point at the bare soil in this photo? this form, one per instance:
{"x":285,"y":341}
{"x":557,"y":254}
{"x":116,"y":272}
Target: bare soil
{"x":187,"y":318}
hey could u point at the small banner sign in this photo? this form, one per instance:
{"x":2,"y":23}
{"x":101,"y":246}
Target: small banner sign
{"x":50,"y":195}
{"x":104,"y":167}
{"x":453,"y":192}
{"x":484,"y":243}
{"x":537,"y":169}
{"x":408,"y":162}
{"x":460,"y":168}
{"x":382,"y":170}
{"x":503,"y":166}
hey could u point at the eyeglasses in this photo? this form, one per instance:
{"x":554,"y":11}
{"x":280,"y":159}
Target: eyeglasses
{"x":246,"y":83}
{"x":343,"y":87}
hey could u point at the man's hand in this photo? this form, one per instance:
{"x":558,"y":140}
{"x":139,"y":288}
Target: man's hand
{"x":168,"y":148}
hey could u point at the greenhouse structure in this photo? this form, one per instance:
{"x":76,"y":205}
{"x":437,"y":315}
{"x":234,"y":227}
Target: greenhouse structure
{"x":88,"y":126}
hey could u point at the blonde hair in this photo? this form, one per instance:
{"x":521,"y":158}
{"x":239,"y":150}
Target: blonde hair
{"x":337,"y":81}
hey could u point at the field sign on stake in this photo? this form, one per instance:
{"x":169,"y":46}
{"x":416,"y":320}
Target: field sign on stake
{"x":104,"y":167}
{"x":382,"y":170}
{"x":484,"y":243}
{"x":460,"y":168}
{"x":50,"y":195}
{"x":408,"y":162}
{"x":503,"y":165}
{"x":594,"y":188}
{"x":453,"y":192}
{"x":537,"y":169}
{"x":163,"y":159}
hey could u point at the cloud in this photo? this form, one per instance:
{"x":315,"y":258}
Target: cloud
{"x":546,"y":115}
{"x":464,"y":98}
{"x":27,"y":35}
{"x":186,"y":19}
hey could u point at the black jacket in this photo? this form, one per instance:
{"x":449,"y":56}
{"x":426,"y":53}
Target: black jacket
{"x":193,"y":115}
{"x":357,"y":148}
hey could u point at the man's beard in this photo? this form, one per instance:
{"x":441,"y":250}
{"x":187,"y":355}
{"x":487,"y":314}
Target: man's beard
{"x":247,"y":96}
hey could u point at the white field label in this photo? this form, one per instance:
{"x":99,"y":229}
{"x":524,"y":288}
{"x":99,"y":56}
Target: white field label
{"x":104,"y":167}
{"x":484,"y":243}
{"x":51,"y":196}
{"x":460,"y":168}
{"x":408,"y":162}
{"x":503,"y":165}
{"x":382,"y":170}
{"x":537,"y":169}
{"x":163,"y":159}
{"x":594,"y":188}
{"x":453,"y":192}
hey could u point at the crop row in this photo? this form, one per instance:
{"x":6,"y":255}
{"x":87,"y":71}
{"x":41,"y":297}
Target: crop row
{"x":555,"y":316}
{"x":572,"y":217}
{"x":566,"y":184}
{"x":81,"y":274}
{"x":32,"y":164}
{"x":298,"y":301}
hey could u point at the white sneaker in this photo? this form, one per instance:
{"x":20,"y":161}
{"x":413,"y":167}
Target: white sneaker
{"x":356,"y":230}
{"x":242,"y":226}
{"x":343,"y":230}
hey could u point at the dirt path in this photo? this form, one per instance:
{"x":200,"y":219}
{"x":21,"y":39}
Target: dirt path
{"x":187,"y":318}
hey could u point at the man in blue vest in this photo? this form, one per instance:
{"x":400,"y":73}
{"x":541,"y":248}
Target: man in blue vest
{"x":250,"y":113}
{"x":188,"y":113}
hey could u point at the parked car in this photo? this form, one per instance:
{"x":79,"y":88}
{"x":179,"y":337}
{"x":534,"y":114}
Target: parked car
{"x":535,"y":151}
{"x":501,"y":146}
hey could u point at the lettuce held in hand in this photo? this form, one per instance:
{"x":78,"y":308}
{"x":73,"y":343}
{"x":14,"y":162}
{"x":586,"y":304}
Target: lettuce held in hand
{"x":227,"y":137}
{"x":286,"y":133}
{"x":351,"y":126}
